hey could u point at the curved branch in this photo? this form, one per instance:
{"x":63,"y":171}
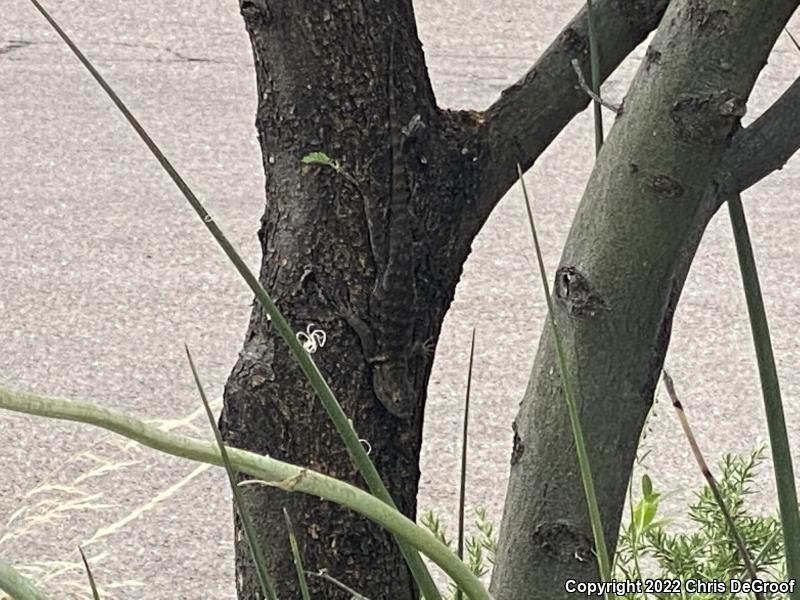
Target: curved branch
{"x":530,"y":114}
{"x":765,"y":145}
{"x":620,"y":276}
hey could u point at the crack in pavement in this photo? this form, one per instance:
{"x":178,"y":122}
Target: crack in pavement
{"x":180,"y":56}
{"x":10,"y":45}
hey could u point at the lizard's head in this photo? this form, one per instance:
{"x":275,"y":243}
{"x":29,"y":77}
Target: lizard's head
{"x":394,"y":390}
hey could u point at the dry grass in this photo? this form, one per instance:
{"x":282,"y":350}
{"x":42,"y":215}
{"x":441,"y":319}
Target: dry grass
{"x":51,"y":507}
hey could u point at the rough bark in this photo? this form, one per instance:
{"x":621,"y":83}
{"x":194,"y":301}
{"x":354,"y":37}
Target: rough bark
{"x":321,"y":73}
{"x":619,"y":279}
{"x":322,"y":85}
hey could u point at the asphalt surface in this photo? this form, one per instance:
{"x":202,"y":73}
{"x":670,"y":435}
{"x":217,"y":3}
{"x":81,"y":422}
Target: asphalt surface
{"x":105,"y":272}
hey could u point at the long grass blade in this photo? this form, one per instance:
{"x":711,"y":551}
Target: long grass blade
{"x":92,"y":585}
{"x":340,"y":421}
{"x":594,"y":61}
{"x":296,"y":558}
{"x":267,"y":585}
{"x":462,"y":493}
{"x":770,"y":390}
{"x":601,"y":550}
{"x":791,"y":37}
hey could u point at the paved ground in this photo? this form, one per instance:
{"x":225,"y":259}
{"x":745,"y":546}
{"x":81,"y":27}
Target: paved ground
{"x":104,"y":272}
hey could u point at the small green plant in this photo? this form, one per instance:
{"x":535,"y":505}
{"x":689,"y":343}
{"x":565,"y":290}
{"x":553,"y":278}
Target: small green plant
{"x":705,"y":554}
{"x":320,"y":158}
{"x":480,"y":546}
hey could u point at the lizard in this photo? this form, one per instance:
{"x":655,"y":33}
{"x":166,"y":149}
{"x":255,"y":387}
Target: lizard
{"x":388,"y":341}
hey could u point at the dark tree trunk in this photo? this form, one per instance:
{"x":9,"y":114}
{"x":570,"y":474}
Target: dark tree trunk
{"x":322,"y":74}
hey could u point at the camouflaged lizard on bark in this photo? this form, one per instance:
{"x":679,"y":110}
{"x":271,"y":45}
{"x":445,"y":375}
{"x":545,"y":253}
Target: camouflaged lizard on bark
{"x":388,"y":341}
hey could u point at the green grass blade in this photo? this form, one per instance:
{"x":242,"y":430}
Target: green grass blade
{"x":770,"y":389}
{"x":95,"y":593}
{"x":462,"y":493}
{"x":340,"y":421}
{"x":17,"y":585}
{"x":267,"y":586}
{"x":574,"y":419}
{"x":298,"y":560}
{"x":594,"y":62}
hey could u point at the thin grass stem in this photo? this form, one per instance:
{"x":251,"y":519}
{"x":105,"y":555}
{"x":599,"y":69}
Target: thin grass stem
{"x":296,"y":558}
{"x":594,"y":61}
{"x":462,"y":492}
{"x":770,"y":390}
{"x":92,"y":585}
{"x":711,"y":481}
{"x":601,"y":550}
{"x":256,"y":553}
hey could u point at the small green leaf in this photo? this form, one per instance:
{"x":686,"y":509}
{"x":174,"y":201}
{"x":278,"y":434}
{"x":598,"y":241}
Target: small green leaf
{"x":648,"y":514}
{"x":638,"y":518}
{"x":318,"y":158}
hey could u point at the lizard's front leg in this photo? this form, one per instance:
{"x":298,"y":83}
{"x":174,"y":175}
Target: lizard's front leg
{"x":364,"y":332}
{"x":390,"y":378}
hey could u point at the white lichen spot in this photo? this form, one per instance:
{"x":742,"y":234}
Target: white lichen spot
{"x":311,"y":339}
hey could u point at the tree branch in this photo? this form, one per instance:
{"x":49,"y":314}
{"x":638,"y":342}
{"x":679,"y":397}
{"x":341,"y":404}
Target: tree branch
{"x":530,"y":114}
{"x":767,"y":143}
{"x":619,"y":279}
